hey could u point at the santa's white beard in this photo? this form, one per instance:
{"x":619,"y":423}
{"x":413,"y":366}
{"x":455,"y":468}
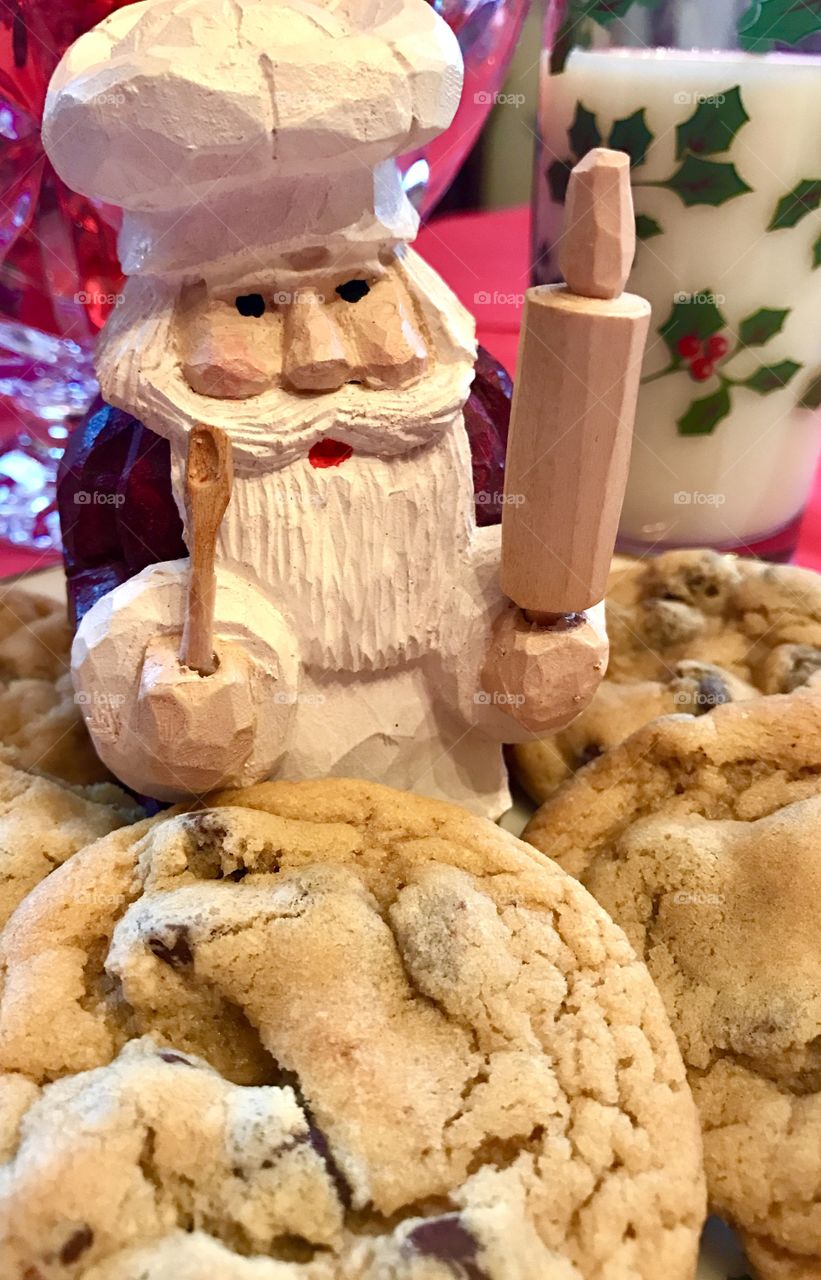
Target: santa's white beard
{"x":363,"y":558}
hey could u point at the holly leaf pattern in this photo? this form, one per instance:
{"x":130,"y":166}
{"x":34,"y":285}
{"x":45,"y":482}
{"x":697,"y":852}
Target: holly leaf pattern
{"x":771,"y":377}
{"x":695,"y":314}
{"x":584,"y":132}
{"x":770,"y":22}
{"x":647,"y":227}
{"x":703,"y":416}
{"x":558,"y":179}
{"x":811,"y":398}
{"x":762,"y":325}
{"x":713,"y":125}
{"x":816,"y":254}
{"x":700,"y":181}
{"x":632,"y":135}
{"x":796,"y":204}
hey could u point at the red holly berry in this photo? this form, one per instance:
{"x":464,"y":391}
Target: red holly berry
{"x":716,"y":347}
{"x":701,"y":369}
{"x":688,"y":346}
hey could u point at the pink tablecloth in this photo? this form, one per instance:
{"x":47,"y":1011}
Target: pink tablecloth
{"x":484,"y":257}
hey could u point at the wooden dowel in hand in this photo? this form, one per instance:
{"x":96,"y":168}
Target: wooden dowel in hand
{"x":209,"y":476}
{"x":574,"y":403}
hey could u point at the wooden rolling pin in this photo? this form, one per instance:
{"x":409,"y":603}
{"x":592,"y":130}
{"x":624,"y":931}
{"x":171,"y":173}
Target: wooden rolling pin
{"x":574,"y":403}
{"x":209,"y":478}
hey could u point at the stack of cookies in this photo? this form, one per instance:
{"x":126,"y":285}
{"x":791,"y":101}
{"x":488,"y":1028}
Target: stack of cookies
{"x":689,"y":631}
{"x":330,"y":1031}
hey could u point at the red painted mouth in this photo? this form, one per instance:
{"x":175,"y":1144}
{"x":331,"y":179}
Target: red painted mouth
{"x":329,"y":453}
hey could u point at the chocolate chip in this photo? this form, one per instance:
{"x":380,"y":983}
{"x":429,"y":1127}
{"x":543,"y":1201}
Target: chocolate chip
{"x":711,"y":692}
{"x":175,"y":1058}
{"x":175,"y":952}
{"x":76,"y":1246}
{"x":447,"y":1240}
{"x":322,"y":1148}
{"x":806,"y":661}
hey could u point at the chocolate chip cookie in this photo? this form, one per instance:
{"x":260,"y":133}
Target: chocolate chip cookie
{"x":35,"y":637}
{"x":42,"y":728}
{"x":702,"y":838}
{"x":689,"y":688}
{"x":689,"y":631}
{"x":41,"y":725}
{"x":43,"y":823}
{"x":327,"y":1030}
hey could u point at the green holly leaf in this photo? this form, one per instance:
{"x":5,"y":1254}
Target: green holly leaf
{"x":796,"y":204}
{"x":762,"y":325}
{"x":647,"y":227}
{"x":584,"y":132}
{"x":706,"y":182}
{"x":811,"y":397}
{"x":558,"y":178}
{"x":704,"y":415}
{"x":632,"y":135}
{"x":713,"y":125}
{"x":816,"y":254}
{"x":693,"y":314}
{"x":770,"y":22}
{"x":771,"y":377}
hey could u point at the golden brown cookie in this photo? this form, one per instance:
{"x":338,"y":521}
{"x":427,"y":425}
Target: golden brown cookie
{"x":690,"y":688}
{"x":702,"y":838}
{"x":381,"y":1039}
{"x":689,"y":630}
{"x":44,"y":732}
{"x":41,"y":726}
{"x":42,"y":823}
{"x":35,"y":636}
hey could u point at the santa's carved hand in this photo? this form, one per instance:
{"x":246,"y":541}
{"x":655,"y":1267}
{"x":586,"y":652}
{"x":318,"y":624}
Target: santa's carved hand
{"x":208,"y":722}
{"x":164,"y":729}
{"x":543,"y":676}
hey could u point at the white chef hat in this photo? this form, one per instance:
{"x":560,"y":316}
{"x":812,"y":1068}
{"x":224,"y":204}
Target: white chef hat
{"x":225,"y":128}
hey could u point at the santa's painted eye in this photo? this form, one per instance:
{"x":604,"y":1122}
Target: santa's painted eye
{"x":353,"y":290}
{"x":251,"y":304}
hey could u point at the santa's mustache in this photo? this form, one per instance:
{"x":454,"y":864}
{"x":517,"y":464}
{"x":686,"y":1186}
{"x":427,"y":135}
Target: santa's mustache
{"x":280,"y":427}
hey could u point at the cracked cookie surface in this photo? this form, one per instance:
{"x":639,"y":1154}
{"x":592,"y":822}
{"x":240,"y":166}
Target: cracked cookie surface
{"x":43,"y":823}
{"x":689,"y":631}
{"x":702,"y":838}
{"x":441,"y":1058}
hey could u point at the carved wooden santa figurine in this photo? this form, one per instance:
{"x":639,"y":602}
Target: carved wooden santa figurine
{"x":340,"y":612}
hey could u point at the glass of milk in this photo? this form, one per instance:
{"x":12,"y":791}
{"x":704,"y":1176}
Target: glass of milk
{"x":719,"y":106}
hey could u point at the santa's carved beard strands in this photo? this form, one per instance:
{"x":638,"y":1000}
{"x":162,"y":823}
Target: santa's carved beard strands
{"x":305,"y":536}
{"x":139,"y":368}
{"x":359,"y":602}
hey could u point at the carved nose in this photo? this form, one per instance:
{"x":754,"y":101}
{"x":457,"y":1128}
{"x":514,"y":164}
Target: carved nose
{"x":316,"y":358}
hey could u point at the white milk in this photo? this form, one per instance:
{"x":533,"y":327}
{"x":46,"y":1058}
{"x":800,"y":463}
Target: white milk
{"x":752,"y":475}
